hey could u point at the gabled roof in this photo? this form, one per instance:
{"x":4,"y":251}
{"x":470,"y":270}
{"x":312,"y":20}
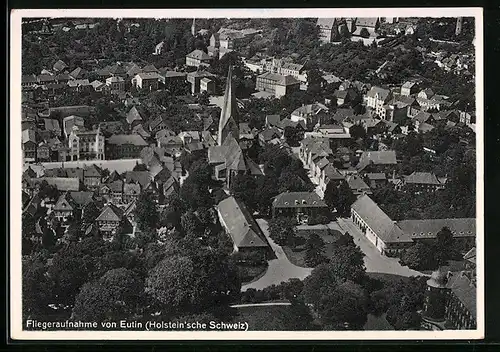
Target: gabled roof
{"x":382,"y":93}
{"x":471,"y":255}
{"x":147,"y":75}
{"x":64,"y":203}
{"x":81,"y":198}
{"x":28,"y":136}
{"x":356,"y":183}
{"x":134,"y":115}
{"x":142,"y":177}
{"x":240,"y":224}
{"x":150,"y":68}
{"x":61,"y":183}
{"x":367,"y":22}
{"x":52,"y":125}
{"x":332,"y":173}
{"x":386,"y":157}
{"x":110,"y":213}
{"x":198,"y":55}
{"x":422,"y":116}
{"x":427,"y":178}
{"x":78,"y":73}
{"x":465,"y":290}
{"x":298,"y":199}
{"x":59,"y":65}
{"x":378,"y":221}
{"x":376,"y":176}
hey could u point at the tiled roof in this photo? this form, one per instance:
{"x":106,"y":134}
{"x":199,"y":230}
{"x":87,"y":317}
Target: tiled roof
{"x":427,"y":178}
{"x":198,"y":55}
{"x":28,"y":136}
{"x":298,"y":199}
{"x":332,"y":173}
{"x":471,"y":255}
{"x":376,"y":176}
{"x":429,"y":228}
{"x":464,"y":290}
{"x":240,"y":224}
{"x":378,"y":221}
{"x":150,"y":68}
{"x":121,"y":139}
{"x":366,"y":22}
{"x":110,"y":213}
{"x":387,"y":157}
{"x":92,"y":171}
{"x":81,"y":198}
{"x":356,"y":183}
{"x":383,"y":94}
{"x":52,"y":125}
{"x":133,"y":115}
{"x":142,"y":177}
{"x":61,"y":183}
{"x":422,"y":116}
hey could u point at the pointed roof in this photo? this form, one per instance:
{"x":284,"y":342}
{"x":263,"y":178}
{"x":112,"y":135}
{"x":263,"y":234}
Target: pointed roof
{"x":229,"y":108}
{"x":240,"y":224}
{"x":110,"y":213}
{"x":134,"y":115}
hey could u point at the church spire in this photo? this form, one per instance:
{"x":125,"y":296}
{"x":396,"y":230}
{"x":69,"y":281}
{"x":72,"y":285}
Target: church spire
{"x":229,"y":113}
{"x":193,"y":28}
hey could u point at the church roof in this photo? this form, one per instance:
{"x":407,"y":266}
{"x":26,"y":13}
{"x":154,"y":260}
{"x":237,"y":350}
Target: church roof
{"x":229,"y":107}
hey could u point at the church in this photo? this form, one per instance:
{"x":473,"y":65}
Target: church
{"x":227,"y":157}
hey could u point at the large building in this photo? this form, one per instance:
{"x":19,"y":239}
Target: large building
{"x":227,"y":157}
{"x":277,"y":84}
{"x":86,"y":145}
{"x":198,"y":58}
{"x":242,"y":228}
{"x":299,"y":205}
{"x":125,"y":146}
{"x":376,"y":98}
{"x":378,"y":228}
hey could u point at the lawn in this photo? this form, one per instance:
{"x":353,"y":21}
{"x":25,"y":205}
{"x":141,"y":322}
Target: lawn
{"x":297,"y":254}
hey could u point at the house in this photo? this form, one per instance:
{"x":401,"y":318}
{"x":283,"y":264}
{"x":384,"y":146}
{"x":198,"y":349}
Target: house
{"x":268,"y":134}
{"x":328,"y":175}
{"x":344,"y":97}
{"x":109,"y":219}
{"x":372,"y":159}
{"x":378,"y":228}
{"x":143,"y":178}
{"x":194,"y":78}
{"x":115,"y":83}
{"x":146,"y":80}
{"x":460,"y":310}
{"x":241,"y":227}
{"x":168,"y":77}
{"x":328,"y":29}
{"x":375,"y":179}
{"x":112,"y":191}
{"x":72,"y":204}
{"x":92,"y":176}
{"x":422,"y":181}
{"x":80,"y":85}
{"x":409,"y":88}
{"x":306,"y":112}
{"x":189,"y":136}
{"x":61,"y":183}
{"x":285,"y":67}
{"x":198,"y":58}
{"x":78,"y":73}
{"x":207,"y":85}
{"x":29,"y":145}
{"x":29,"y":81}
{"x":51,"y":126}
{"x":173,"y":143}
{"x":425,"y":231}
{"x":62,"y":78}
{"x":86,"y":145}
{"x":376,"y":98}
{"x":277,"y":84}
{"x":124,"y":146}
{"x":131,"y":192}
{"x":43,"y":152}
{"x":357,"y":185}
{"x":299,"y":205}
{"x":136,"y":115}
{"x":366,"y":25}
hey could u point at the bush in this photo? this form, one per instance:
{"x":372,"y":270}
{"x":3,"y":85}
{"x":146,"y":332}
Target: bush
{"x":318,"y":220}
{"x":250,"y":258}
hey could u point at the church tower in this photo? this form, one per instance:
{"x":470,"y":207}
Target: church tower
{"x":193,"y":28}
{"x":458,"y":28}
{"x":228,"y":123}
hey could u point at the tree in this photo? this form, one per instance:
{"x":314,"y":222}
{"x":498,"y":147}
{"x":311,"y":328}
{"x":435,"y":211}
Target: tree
{"x":146,"y":212}
{"x":282,"y":230}
{"x":347,"y":263}
{"x":191,"y":284}
{"x":315,"y":251}
{"x":357,"y":132}
{"x":243,"y":188}
{"x":90,"y":213}
{"x":115,"y":296}
{"x":293,"y":135}
{"x":37,"y":292}
{"x":364,"y":33}
{"x":203,"y":98}
{"x":331,"y":194}
{"x":339,"y":304}
{"x":420,"y":257}
{"x":345,"y":199}
{"x":191,"y":224}
{"x":444,"y":246}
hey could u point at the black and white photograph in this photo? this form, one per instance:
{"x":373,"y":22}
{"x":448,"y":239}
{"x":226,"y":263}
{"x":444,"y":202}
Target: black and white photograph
{"x":247,"y":174}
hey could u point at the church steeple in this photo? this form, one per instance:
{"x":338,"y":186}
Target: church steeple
{"x":193,"y":28}
{"x":228,"y":123}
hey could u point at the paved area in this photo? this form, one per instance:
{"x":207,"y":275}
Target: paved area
{"x":374,"y":261}
{"x":280,"y":269}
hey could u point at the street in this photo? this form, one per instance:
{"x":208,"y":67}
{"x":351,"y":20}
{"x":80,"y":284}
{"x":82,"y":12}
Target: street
{"x":280,"y":269}
{"x":374,"y":261}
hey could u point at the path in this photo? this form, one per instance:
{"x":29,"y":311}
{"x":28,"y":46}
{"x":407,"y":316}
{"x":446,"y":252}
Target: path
{"x":374,"y":261}
{"x":280,"y":269}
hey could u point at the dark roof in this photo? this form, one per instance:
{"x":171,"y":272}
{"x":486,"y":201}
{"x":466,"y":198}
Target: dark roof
{"x":464,"y":289}
{"x":429,"y":228}
{"x":356,"y":183}
{"x":382,"y":93}
{"x":376,"y":176}
{"x":110,"y":213}
{"x":240,"y":224}
{"x":386,"y":157}
{"x":61,"y":183}
{"x":426,"y":178}
{"x":142,"y":177}
{"x":121,"y":139}
{"x":378,"y":221}
{"x":134,"y":114}
{"x":298,"y":199}
{"x":198,"y":55}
